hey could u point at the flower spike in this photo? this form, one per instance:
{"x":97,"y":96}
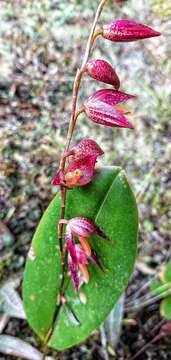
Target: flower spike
{"x":127,"y":30}
{"x":102,"y":71}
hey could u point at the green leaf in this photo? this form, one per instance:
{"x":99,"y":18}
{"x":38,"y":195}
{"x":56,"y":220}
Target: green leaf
{"x":110,"y":203}
{"x":160,"y":289}
{"x":165,"y":308}
{"x":167,"y":273}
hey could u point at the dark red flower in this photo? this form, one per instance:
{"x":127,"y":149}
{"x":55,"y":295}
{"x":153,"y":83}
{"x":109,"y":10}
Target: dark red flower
{"x":102,"y":71}
{"x":85,"y":166}
{"x":85,"y":147}
{"x":110,"y":96}
{"x":101,"y":108}
{"x":58,"y":178}
{"x":78,"y":173}
{"x":127,"y":30}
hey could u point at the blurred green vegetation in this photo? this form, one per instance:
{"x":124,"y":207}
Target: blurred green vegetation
{"x":41,"y":44}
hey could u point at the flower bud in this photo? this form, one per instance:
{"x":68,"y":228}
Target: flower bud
{"x":102,"y":71}
{"x":127,"y":30}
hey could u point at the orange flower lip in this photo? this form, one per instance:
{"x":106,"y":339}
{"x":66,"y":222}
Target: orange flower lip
{"x":85,"y":245}
{"x":72,"y":178}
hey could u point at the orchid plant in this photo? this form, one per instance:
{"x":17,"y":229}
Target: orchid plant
{"x":88,"y":234}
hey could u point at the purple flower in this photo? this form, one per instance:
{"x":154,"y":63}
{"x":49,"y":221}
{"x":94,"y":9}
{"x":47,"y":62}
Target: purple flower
{"x":101,"y":108}
{"x":84,"y":148}
{"x":110,"y":96}
{"x":81,"y":170}
{"x":127,"y":30}
{"x":78,"y":173}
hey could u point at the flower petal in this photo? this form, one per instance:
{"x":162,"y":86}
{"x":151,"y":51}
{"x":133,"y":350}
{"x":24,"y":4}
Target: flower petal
{"x":85,"y":245}
{"x":104,"y":114}
{"x":85,"y":273}
{"x":94,"y":259}
{"x":102,"y":71}
{"x":81,"y":255}
{"x":58,"y":178}
{"x":127,"y":30}
{"x":82,"y":226}
{"x":70,"y":244}
{"x":110,"y":97}
{"x":74,"y":272}
{"x":86,"y":166}
{"x":85,"y":147}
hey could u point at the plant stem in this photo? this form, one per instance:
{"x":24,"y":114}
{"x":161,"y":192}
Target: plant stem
{"x":91,"y":36}
{"x":72,"y":123}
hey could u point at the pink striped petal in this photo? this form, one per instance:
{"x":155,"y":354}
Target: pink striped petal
{"x":127,"y":30}
{"x":102,"y":71}
{"x":58,"y":178}
{"x":85,"y":147}
{"x":82,"y":226}
{"x":110,"y":97}
{"x":81,"y":255}
{"x":73,"y":268}
{"x":70,"y":243}
{"x":105,"y":114}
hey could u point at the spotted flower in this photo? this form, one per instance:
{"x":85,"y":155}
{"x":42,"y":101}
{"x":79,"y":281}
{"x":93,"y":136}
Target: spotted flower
{"x":86,"y":147}
{"x":104,"y":108}
{"x":78,"y":173}
{"x":81,"y":169}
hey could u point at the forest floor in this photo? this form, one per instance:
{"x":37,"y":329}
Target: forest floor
{"x":41,"y":43}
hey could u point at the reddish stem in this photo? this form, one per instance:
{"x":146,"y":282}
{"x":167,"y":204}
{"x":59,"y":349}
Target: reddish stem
{"x":74,"y":115}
